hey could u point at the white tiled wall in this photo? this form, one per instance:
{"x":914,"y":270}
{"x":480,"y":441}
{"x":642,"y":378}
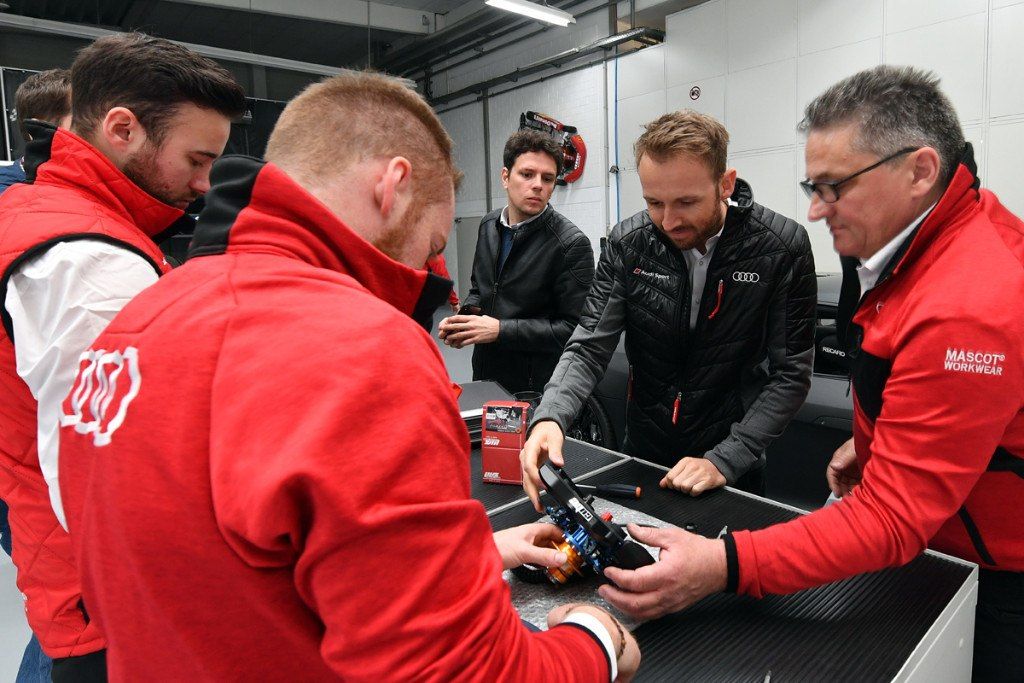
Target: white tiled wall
{"x":1007,"y":56}
{"x":759,"y":62}
{"x":953,"y":49}
{"x":759,"y":32}
{"x":576,"y":99}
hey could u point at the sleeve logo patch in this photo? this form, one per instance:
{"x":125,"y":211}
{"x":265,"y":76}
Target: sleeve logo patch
{"x":978,"y":362}
{"x":107,"y":383}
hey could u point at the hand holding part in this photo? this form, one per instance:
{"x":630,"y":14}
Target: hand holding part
{"x":693,"y":476}
{"x":843,"y":472}
{"x":530,"y":544}
{"x":690,"y":568}
{"x":545,"y":443}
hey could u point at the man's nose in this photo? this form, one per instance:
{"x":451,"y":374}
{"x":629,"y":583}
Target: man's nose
{"x":670,"y":219}
{"x":818,"y":209}
{"x":201,"y":183}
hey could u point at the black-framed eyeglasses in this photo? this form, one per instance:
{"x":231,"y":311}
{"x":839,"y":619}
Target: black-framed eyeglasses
{"x":829,"y":192}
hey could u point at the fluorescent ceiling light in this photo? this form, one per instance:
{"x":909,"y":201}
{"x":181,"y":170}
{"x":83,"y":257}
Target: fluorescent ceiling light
{"x":552,"y":15}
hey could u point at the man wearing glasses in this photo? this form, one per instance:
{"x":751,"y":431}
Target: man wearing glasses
{"x":937,"y":347}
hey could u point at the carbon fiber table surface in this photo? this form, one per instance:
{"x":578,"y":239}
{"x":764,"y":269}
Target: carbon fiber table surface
{"x":581,"y":459}
{"x":860,"y":629}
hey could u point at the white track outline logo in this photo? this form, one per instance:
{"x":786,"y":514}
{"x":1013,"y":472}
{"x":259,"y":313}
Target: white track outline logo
{"x":745,"y":277}
{"x":95,"y":389}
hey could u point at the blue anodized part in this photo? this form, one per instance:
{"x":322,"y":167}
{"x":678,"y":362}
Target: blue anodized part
{"x":577,"y":536}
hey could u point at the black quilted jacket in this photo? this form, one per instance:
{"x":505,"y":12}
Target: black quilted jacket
{"x":724,"y":390}
{"x":536,"y":297}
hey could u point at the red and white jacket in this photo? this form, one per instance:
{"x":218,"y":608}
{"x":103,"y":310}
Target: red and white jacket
{"x":938,"y":377}
{"x":274,"y":481}
{"x":76,"y":193}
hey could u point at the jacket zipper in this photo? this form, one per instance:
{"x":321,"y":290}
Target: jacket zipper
{"x":629,"y":386}
{"x":718,"y":300}
{"x":685,"y":288}
{"x":497,"y":274}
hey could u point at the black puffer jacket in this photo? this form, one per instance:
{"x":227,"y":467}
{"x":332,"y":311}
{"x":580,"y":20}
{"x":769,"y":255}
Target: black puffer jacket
{"x":537,"y":297}
{"x":734,"y":382}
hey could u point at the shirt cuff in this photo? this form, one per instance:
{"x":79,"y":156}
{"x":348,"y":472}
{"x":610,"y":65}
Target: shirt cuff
{"x":593,"y":625}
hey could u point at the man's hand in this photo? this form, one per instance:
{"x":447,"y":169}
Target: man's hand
{"x":545,"y":443}
{"x":529,"y":544}
{"x":690,"y":567}
{"x":629,"y":661}
{"x":693,"y":476}
{"x":464,"y":330}
{"x":843,"y":472}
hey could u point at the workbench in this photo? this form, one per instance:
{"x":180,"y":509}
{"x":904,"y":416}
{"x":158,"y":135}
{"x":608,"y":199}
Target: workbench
{"x":914,"y":623}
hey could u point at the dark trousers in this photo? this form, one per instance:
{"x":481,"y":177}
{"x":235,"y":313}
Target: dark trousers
{"x":999,"y":627}
{"x":90,"y":668}
{"x":5,"y":529}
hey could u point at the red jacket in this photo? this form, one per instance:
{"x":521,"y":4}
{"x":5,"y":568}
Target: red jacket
{"x":437,"y":266}
{"x":77,"y":194}
{"x":939,"y":388}
{"x":285,"y":495}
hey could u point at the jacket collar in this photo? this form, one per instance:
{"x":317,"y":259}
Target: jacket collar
{"x":61,"y":158}
{"x":741,"y":201}
{"x":254,"y":206}
{"x":530,"y":226}
{"x":961,"y":196}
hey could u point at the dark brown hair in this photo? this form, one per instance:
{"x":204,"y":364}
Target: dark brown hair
{"x":523,"y":141}
{"x":151,"y":77}
{"x":45,"y":96}
{"x":686,"y":132}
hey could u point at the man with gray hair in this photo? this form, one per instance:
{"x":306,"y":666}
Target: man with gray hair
{"x":937,"y":343}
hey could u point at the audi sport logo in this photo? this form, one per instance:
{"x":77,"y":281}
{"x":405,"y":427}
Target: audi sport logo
{"x":745,"y":277}
{"x":107,"y":383}
{"x":644,"y":273}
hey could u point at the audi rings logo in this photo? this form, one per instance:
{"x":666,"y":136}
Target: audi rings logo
{"x":745,"y":277}
{"x":107,"y":383}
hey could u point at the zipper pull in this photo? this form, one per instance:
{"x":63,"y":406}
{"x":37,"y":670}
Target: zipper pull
{"x":718,"y":300}
{"x":675,"y":408}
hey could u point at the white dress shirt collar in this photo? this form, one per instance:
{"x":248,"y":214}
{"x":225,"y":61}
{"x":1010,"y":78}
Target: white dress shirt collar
{"x":504,"y":218}
{"x":871,"y":268}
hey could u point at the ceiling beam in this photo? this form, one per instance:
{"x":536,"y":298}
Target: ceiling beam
{"x":31,"y":25}
{"x":348,"y":12}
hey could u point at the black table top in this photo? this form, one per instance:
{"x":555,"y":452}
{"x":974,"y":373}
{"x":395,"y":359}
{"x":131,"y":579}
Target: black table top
{"x":475,"y":394}
{"x":860,"y":629}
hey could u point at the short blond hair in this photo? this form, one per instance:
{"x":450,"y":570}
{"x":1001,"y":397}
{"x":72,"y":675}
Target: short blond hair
{"x":342,"y":120}
{"x":685,"y":132}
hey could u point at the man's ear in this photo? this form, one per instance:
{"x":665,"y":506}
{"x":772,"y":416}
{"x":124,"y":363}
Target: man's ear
{"x":727,"y":183}
{"x":121,"y":132}
{"x":505,"y":173}
{"x":926,"y":166}
{"x":393,"y":186}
